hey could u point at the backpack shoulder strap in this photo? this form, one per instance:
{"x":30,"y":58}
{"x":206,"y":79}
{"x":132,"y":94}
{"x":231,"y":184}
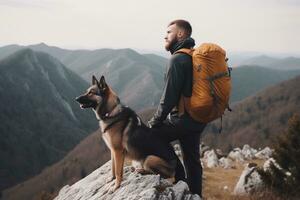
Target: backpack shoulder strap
{"x":185,"y":51}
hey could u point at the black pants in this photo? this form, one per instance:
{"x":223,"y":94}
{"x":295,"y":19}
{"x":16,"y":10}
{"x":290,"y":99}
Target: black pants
{"x":189,"y":142}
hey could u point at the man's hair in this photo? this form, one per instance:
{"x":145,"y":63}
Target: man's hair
{"x":185,"y":25}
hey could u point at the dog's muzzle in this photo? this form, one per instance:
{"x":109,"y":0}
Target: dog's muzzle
{"x":85,"y":102}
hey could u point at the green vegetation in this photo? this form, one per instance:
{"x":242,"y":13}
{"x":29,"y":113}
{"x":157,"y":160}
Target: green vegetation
{"x":286,"y":181}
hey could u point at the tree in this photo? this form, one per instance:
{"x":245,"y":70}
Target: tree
{"x":286,"y":181}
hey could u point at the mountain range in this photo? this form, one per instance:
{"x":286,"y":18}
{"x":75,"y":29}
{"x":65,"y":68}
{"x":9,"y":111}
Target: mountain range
{"x":132,"y":75}
{"x":40,"y":120}
{"x":287,"y":63}
{"x":256,"y":121}
{"x":247,"y":80}
{"x":135,"y":76}
{"x":277,"y":61}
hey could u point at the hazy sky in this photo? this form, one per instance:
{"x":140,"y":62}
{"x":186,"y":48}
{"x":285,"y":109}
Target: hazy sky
{"x":237,"y":25}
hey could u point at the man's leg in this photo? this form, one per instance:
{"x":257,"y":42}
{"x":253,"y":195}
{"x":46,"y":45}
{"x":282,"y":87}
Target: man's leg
{"x":191,"y":157}
{"x":168,"y":132}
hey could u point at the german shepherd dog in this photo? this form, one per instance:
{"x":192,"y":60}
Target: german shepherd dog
{"x":125,"y":134}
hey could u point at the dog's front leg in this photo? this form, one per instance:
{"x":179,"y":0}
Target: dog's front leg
{"x":119,"y":156}
{"x":113,"y":170}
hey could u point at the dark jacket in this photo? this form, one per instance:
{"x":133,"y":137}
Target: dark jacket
{"x":178,"y":81}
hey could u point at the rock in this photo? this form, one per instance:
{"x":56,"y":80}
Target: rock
{"x":237,"y":149}
{"x":249,"y":181}
{"x":264,"y":154}
{"x":133,"y":186}
{"x":248,"y":152}
{"x":226,"y":163}
{"x":203,"y":149}
{"x":267,"y":166}
{"x":202,"y":164}
{"x":211,"y":159}
{"x":220,"y":153}
{"x":236,"y":155}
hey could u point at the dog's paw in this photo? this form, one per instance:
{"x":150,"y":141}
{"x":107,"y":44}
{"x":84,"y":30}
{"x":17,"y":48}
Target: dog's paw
{"x":142,"y":171}
{"x":113,"y":188}
{"x":109,"y":179}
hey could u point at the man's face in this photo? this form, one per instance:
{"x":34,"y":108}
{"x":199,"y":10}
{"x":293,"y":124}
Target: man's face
{"x":171,"y":36}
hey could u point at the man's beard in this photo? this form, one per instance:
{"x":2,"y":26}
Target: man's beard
{"x":170,"y":44}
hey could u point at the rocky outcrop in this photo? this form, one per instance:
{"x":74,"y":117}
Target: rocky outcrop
{"x":216,"y":158}
{"x":133,"y":186}
{"x":272,"y":161}
{"x":265,"y":154}
{"x":236,"y":155}
{"x":211,"y":159}
{"x":248,"y":152}
{"x":269,"y":162}
{"x":226,"y":163}
{"x":203,"y":148}
{"x":249,"y":181}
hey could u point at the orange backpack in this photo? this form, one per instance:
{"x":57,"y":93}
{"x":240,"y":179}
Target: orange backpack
{"x":211,"y":83}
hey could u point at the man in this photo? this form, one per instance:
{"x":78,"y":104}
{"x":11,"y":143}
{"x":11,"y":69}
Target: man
{"x":171,"y":125}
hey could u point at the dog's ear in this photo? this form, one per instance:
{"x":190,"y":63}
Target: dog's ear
{"x":95,"y":81}
{"x":102,"y":83}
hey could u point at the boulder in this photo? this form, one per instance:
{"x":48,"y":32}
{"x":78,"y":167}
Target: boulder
{"x":264,"y":154}
{"x":211,"y":159}
{"x":226,"y":163}
{"x":236,"y":155}
{"x":267,"y":166}
{"x":203,"y":149}
{"x":220,"y":153}
{"x":133,"y":186}
{"x":249,"y":181}
{"x":268,"y":162}
{"x":248,"y":152}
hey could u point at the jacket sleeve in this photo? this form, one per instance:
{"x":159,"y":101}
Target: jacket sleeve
{"x":174,"y":83}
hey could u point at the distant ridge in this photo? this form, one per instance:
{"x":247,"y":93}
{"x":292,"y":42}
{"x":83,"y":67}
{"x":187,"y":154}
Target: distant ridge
{"x":132,"y":75}
{"x":138,"y":78}
{"x":40,"y":121}
{"x":247,"y":80}
{"x":287,"y":63}
{"x":258,"y":119}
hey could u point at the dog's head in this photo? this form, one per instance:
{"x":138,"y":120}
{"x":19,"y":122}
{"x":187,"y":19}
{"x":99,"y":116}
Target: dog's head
{"x":95,"y":95}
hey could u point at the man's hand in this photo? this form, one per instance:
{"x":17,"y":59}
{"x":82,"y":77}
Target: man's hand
{"x":154,"y":123}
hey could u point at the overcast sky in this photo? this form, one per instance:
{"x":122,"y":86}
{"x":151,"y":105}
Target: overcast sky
{"x":237,"y":25}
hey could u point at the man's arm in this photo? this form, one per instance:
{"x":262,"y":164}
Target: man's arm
{"x":175,"y":78}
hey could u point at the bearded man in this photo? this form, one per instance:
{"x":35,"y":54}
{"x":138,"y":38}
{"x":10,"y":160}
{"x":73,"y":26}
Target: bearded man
{"x":171,"y":125}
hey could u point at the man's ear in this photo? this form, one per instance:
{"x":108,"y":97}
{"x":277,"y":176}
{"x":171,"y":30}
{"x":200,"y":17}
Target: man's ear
{"x":95,"y":81}
{"x":180,"y":34}
{"x":102,"y":83}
